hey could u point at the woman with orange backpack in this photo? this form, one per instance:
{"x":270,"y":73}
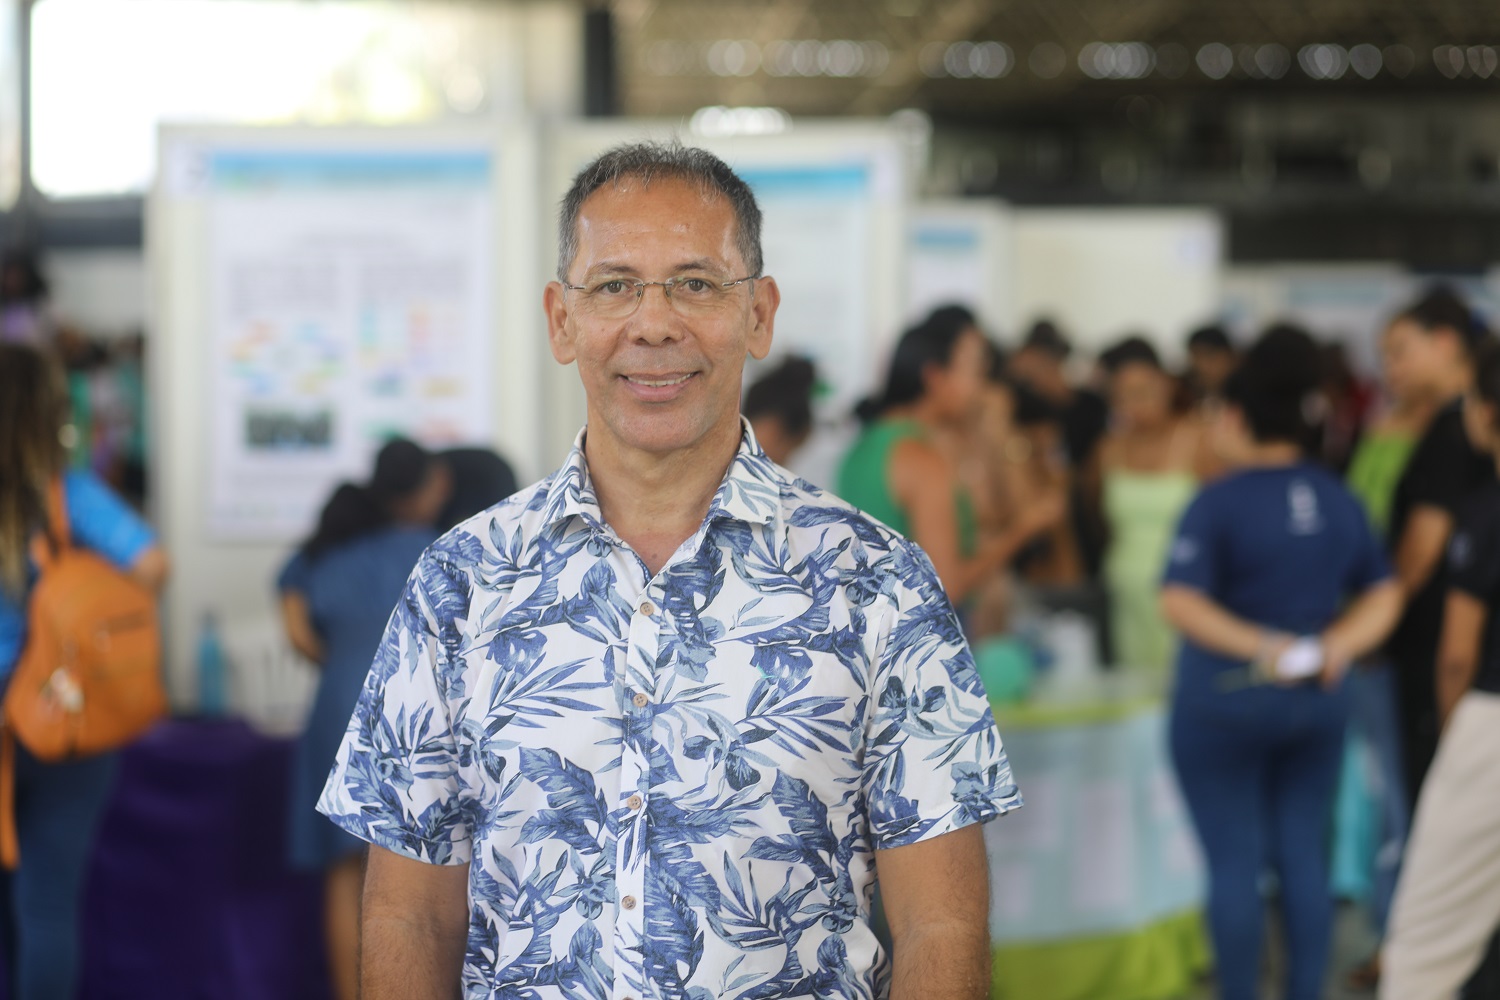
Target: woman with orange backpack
{"x":57,"y":805}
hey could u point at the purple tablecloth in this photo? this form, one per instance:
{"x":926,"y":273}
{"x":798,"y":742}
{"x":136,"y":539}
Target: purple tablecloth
{"x":189,"y":896}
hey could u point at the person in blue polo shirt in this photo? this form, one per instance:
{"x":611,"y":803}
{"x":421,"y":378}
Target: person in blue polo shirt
{"x":1277,"y":584}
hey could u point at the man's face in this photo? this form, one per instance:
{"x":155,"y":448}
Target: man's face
{"x":659,"y":380}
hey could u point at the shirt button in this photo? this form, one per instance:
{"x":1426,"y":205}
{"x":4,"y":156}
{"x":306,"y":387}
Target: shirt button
{"x":648,"y":609}
{"x":640,"y":701}
{"x":634,"y":802}
{"x":628,"y":902}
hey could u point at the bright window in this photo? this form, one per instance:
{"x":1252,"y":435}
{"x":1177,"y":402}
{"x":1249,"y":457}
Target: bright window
{"x":10,"y":102}
{"x":106,"y":73}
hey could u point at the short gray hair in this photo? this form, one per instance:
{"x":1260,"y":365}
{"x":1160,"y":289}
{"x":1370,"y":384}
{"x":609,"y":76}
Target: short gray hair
{"x":648,"y":161}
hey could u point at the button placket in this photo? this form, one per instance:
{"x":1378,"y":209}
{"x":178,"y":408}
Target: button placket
{"x":638,"y":708}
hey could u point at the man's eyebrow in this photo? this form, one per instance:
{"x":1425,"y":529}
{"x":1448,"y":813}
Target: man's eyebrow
{"x":701,"y":264}
{"x":611,"y":267}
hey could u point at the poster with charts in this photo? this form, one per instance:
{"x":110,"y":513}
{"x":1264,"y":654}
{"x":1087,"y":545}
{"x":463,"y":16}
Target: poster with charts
{"x":350,"y":302}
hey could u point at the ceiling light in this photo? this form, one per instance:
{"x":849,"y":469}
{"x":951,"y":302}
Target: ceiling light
{"x":1365,"y":60}
{"x":1215,"y":60}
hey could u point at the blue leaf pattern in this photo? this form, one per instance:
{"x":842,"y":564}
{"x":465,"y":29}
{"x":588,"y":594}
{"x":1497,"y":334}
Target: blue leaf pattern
{"x":674,"y":785}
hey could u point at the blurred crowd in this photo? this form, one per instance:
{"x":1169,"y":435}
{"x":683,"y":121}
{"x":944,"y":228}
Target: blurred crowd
{"x":1299,"y":559}
{"x":1295,"y":557}
{"x":105,"y":378}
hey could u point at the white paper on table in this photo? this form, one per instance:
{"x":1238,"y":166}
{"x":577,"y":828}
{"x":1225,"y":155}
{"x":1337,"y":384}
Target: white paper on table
{"x":1103,"y":848}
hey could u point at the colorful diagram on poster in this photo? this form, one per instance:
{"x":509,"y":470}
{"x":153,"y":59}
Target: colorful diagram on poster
{"x":350,"y":303}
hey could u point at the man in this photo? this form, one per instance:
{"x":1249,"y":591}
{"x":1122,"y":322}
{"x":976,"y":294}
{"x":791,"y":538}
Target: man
{"x":650,"y":728}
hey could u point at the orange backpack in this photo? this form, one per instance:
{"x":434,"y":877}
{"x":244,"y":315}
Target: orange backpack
{"x":89,"y":676}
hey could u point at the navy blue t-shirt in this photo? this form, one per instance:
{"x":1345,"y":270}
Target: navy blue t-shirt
{"x":1284,"y":547}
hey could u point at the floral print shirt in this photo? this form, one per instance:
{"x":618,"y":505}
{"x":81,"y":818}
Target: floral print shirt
{"x":670,"y":786}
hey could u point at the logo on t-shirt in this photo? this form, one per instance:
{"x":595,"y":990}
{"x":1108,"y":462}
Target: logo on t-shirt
{"x":1302,"y":506}
{"x":1184,"y":550}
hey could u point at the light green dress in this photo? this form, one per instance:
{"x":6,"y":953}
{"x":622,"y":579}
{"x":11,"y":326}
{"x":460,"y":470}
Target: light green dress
{"x":1142,"y":509}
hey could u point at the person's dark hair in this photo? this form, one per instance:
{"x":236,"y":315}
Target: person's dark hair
{"x":33,"y":412}
{"x":1276,"y":387}
{"x":23,"y":264}
{"x":401,"y":468}
{"x":1210,"y":338}
{"x":1045,"y":336}
{"x":930,"y":342}
{"x":1440,"y":307}
{"x":1031,"y":407}
{"x":650,"y":161}
{"x":481,"y":479}
{"x":1130,"y":351}
{"x":785,"y":392}
{"x":997,"y":367}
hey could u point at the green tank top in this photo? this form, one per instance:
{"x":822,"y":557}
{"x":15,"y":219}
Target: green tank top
{"x":1374,"y":472}
{"x":864,"y":481}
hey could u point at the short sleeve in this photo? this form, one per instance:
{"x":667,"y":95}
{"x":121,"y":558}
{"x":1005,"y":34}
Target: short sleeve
{"x":934,"y":761}
{"x":99,"y":520}
{"x":1195,"y":556}
{"x":396,"y":781}
{"x":296,"y":574}
{"x":1441,"y":470}
{"x":1473,"y":562}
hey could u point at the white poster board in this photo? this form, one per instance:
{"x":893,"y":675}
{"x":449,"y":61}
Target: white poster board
{"x":1103,"y":273}
{"x":1346,"y":303}
{"x":312,"y":290}
{"x":962,"y":252}
{"x":351,"y":297}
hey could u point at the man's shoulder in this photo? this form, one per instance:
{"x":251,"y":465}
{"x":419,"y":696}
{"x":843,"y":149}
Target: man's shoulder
{"x":807,"y":507}
{"x":520,"y":516}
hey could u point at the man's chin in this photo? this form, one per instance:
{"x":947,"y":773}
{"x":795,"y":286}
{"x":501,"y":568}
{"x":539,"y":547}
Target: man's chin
{"x":667,"y":432}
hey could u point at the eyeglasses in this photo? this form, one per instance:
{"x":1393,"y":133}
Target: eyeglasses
{"x":688,"y":295}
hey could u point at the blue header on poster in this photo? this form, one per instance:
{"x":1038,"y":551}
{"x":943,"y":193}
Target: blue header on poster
{"x":344,"y":168}
{"x":952,"y":239}
{"x":845,"y":180}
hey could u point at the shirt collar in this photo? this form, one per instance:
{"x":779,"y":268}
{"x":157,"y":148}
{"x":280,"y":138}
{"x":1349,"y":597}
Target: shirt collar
{"x":750,"y":491}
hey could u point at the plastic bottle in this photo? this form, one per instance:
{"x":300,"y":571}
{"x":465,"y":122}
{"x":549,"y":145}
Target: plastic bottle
{"x":212,"y":669}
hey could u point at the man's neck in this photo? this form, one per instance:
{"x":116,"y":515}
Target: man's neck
{"x":656,"y":502}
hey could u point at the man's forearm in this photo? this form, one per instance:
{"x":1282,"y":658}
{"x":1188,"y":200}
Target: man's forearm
{"x":943,"y":962}
{"x":401,"y":958}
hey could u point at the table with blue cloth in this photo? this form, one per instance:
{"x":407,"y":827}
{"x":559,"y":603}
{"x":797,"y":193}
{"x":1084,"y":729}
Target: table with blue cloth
{"x":1097,"y":884}
{"x":189,"y":895}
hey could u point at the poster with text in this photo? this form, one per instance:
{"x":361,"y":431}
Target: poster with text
{"x":350,"y":303}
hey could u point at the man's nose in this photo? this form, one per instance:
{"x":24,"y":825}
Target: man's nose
{"x":654,"y":320}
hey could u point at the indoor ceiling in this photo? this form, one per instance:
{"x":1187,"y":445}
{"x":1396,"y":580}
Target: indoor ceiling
{"x":970,"y":59}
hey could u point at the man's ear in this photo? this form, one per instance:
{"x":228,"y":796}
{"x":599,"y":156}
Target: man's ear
{"x":766,"y":300}
{"x":559,"y":334}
